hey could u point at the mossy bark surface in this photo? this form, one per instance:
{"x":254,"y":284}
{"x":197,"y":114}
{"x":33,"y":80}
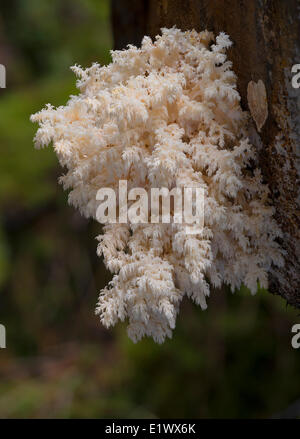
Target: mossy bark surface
{"x":266,"y":37}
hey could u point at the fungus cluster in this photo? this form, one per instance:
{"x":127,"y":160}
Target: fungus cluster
{"x":166,"y":114}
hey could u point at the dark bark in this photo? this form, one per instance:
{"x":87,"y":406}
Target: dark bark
{"x":129,"y":21}
{"x":266,"y":36}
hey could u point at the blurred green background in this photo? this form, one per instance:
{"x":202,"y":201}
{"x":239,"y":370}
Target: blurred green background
{"x":233,"y":360}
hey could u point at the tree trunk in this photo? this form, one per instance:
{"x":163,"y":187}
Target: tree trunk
{"x":266,"y":37}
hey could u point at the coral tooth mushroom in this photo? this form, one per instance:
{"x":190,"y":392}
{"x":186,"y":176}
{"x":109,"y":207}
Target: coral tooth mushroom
{"x":164,"y":115}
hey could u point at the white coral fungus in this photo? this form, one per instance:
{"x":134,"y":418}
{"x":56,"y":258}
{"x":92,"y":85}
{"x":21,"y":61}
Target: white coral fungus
{"x":166,"y":115}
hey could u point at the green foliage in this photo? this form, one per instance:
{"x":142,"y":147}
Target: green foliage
{"x":21,"y":166}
